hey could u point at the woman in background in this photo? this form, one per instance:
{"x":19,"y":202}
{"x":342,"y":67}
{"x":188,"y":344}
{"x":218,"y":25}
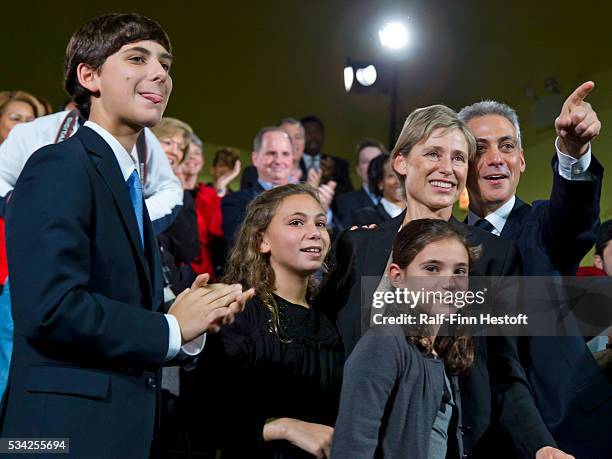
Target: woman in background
{"x":17,"y":107}
{"x":384,"y":184}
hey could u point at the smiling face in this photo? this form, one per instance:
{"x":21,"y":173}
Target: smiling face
{"x":174,"y":146}
{"x":435,"y":170}
{"x":132,"y":87}
{"x":391,"y":186}
{"x":296,"y":238}
{"x":14,"y":113}
{"x":441,"y":266}
{"x":274,"y":159}
{"x":195,"y":159}
{"x":496,"y":170}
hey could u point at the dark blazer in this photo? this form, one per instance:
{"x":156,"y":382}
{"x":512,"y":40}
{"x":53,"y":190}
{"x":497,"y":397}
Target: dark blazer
{"x":347,"y":203}
{"x":559,"y":232}
{"x":340,"y":173}
{"x":233,"y":210}
{"x":571,"y":391}
{"x":89,"y":339}
{"x":370,"y":215}
{"x":248,"y":178}
{"x":365,"y":253}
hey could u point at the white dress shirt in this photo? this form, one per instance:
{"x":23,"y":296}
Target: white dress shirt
{"x":569,"y":168}
{"x":390,"y":208}
{"x":127,"y":165}
{"x":162,"y":191}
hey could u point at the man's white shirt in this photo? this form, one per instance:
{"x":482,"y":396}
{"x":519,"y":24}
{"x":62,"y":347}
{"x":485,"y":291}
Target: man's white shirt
{"x":162,"y":190}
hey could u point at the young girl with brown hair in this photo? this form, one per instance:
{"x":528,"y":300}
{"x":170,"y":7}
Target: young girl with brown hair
{"x":281,"y":358}
{"x":400,"y":395}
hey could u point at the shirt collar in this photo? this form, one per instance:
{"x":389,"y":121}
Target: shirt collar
{"x":497,"y":218}
{"x":125,"y":160}
{"x":265,"y":185}
{"x":391,"y":208}
{"x":371,"y":195}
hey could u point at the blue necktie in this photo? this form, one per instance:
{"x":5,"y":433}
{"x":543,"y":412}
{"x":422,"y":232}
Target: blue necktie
{"x":135,"y":189}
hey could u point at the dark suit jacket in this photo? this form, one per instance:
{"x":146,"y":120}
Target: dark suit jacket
{"x":248,"y":179}
{"x":370,"y":215}
{"x":89,"y":339}
{"x":233,"y":210}
{"x":558,"y":233}
{"x":571,"y":391}
{"x":365,"y":253}
{"x":180,"y":246}
{"x":340,"y":173}
{"x":347,"y":203}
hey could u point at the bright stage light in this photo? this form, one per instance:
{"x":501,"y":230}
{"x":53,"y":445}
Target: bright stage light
{"x":366,"y":76}
{"x":348,"y":78}
{"x":393,"y":36}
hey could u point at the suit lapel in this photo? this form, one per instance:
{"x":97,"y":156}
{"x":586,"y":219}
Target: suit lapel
{"x":106,"y":164}
{"x":514,"y":223}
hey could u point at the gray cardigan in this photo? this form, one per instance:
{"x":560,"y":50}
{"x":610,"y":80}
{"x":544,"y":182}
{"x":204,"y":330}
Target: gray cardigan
{"x":390,"y":396}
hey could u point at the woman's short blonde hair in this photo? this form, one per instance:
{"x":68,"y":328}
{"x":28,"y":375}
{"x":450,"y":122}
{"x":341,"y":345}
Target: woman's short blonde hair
{"x":169,"y":127}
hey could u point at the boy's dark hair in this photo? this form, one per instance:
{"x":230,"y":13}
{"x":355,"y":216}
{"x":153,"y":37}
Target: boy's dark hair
{"x":99,"y":38}
{"x":376,"y":173}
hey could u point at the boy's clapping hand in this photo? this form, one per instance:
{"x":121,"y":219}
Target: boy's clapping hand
{"x":205,"y":308}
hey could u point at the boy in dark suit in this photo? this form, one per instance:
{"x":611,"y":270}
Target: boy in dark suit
{"x":90,"y":333}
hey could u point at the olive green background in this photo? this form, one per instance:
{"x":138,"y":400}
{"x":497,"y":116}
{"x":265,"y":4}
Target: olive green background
{"x":243,"y":65}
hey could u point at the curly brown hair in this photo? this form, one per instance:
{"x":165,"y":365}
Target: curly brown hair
{"x":456,"y":351}
{"x":251,"y":268}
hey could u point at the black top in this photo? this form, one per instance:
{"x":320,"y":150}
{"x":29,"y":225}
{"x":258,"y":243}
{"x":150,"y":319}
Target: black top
{"x":180,"y":246}
{"x":262,"y":376}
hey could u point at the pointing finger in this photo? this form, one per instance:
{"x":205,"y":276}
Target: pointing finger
{"x":579,"y":94}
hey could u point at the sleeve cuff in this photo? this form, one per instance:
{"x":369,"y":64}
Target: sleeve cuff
{"x":174,"y":337}
{"x":571,"y":168}
{"x":195,"y":346}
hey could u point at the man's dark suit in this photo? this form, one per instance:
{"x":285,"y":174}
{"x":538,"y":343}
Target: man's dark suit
{"x":248,"y":178}
{"x":571,"y":391}
{"x":89,"y":340}
{"x":365,"y":253}
{"x":340,"y":173}
{"x":233,"y":210}
{"x":347,"y":203}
